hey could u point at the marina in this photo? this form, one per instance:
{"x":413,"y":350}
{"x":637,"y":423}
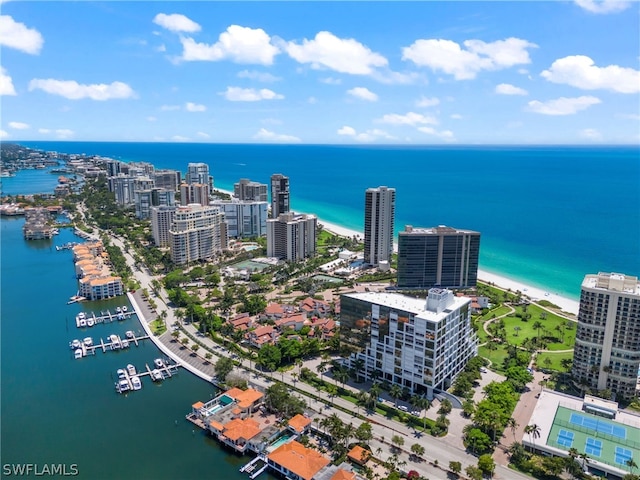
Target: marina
{"x":129,"y":379}
{"x":83,"y":320}
{"x":85,"y":347}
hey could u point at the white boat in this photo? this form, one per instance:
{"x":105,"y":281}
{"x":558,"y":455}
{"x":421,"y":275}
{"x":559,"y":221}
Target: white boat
{"x":78,"y":353}
{"x":82,"y":322}
{"x":122,"y":386}
{"x":124,"y":309}
{"x":81,"y":315}
{"x":75,"y":344}
{"x":115,"y":343}
{"x":135,"y":381}
{"x":125,"y":343}
{"x":90,"y":322}
{"x":121,"y":374}
{"x":131,"y":369}
{"x":120,"y":316}
{"x":156,"y":375}
{"x":88,"y":341}
{"x":158,"y":363}
{"x":129,"y":333}
{"x":118,"y":309}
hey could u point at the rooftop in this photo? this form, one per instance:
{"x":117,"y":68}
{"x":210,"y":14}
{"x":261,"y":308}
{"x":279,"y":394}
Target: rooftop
{"x":295,"y":457}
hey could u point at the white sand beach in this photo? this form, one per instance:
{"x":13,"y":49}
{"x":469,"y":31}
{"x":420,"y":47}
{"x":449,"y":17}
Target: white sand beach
{"x":566,"y":304}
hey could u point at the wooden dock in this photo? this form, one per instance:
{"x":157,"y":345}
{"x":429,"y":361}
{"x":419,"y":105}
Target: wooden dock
{"x":104,"y":317}
{"x":167,"y":371}
{"x":115,"y":343}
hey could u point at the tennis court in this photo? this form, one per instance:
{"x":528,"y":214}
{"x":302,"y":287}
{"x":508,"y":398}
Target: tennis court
{"x":599,"y":425}
{"x":565,"y":438}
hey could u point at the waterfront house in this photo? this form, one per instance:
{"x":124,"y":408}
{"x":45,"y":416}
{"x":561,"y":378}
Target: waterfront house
{"x":299,"y":424}
{"x":295,"y":461}
{"x":359,"y":455}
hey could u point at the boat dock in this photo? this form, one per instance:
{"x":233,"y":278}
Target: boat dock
{"x":255,"y":467}
{"x":89,"y":320}
{"x":114,"y":342}
{"x":126,"y":382}
{"x":66,"y":246}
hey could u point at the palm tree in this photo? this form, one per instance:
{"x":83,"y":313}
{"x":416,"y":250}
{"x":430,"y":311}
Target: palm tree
{"x":396,"y":393}
{"x":585,"y":459}
{"x":513,"y":425}
{"x":537,"y":325}
{"x":321,"y":368}
{"x":421,"y":403}
{"x":533,"y":431}
{"x":631,"y":464}
{"x":358,"y":366}
{"x":341,"y":375}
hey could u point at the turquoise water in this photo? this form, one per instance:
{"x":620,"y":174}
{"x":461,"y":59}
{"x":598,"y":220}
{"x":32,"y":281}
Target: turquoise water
{"x":548,"y":215}
{"x":56,"y":409}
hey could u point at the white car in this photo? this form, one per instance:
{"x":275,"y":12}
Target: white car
{"x":403,"y":408}
{"x":483,"y":370}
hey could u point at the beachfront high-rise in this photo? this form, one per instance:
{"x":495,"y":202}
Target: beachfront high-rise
{"x":194,"y":193}
{"x":279,"y":195}
{"x":439,"y":256}
{"x":199,"y":173}
{"x":245,"y":189}
{"x":379,"y":214}
{"x":292,"y":236}
{"x":415,"y":343}
{"x":245,"y":219}
{"x":607,"y":350}
{"x":161,"y":222}
{"x":197,"y":233}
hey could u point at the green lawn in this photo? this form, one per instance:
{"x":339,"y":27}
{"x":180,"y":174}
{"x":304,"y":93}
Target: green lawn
{"x":552,"y":328}
{"x":555,"y":358}
{"x":495,"y":356}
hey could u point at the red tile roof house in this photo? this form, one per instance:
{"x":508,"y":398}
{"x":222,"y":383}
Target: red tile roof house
{"x":295,"y":321}
{"x":296,"y":462}
{"x":325,"y":326}
{"x":242,"y":322}
{"x":277,"y":310}
{"x":316,"y":307}
{"x":262,"y":335}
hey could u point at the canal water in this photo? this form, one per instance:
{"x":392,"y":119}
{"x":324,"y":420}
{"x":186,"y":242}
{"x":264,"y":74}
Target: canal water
{"x":59,"y":410}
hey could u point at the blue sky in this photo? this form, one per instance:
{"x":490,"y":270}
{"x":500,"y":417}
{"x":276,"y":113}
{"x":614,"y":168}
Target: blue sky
{"x":545,"y":72}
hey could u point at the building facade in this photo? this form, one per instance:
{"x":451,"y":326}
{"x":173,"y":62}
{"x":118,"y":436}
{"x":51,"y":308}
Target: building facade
{"x":379,"y":214}
{"x":167,"y":179}
{"x":161,"y":221}
{"x":247,"y":190}
{"x":197,"y":233}
{"x":123,"y":187}
{"x":199,"y":173}
{"x":417,"y":344}
{"x":607,"y":349}
{"x":291,"y":236}
{"x":194,"y":193}
{"x":155,"y":197}
{"x":440,"y":256}
{"x":279,"y":195}
{"x":245,"y":219}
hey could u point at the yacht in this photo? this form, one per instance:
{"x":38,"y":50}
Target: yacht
{"x":118,"y":309}
{"x":75,"y":344}
{"x":88,"y":341}
{"x":120,"y":316}
{"x":122,"y":375}
{"x":122,"y":386}
{"x":156,"y":375}
{"x":158,"y":363}
{"x":137,"y":384}
{"x":125,"y":343}
{"x":131,"y":369}
{"x":78,"y":353}
{"x":90,"y":322}
{"x":124,"y":309}
{"x":129,"y":334}
{"x":115,"y":343}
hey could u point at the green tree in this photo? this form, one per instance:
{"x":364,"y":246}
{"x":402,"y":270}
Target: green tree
{"x":474,"y":473}
{"x":397,"y":441}
{"x":269,"y":357}
{"x":455,"y":467}
{"x":533,"y":431}
{"x":421,"y":402}
{"x":223,"y":367}
{"x":486,"y":464}
{"x":364,"y":433}
{"x":395,"y":392}
{"x":417,"y":449}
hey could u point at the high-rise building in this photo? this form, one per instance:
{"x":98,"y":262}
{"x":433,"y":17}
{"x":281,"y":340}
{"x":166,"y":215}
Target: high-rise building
{"x":379,"y":214}
{"x":417,"y":344}
{"x":606,"y":355}
{"x":155,"y":197}
{"x":113,"y":167}
{"x":161,"y":222}
{"x":245,"y":189}
{"x":199,"y":173}
{"x":244,"y":219}
{"x":197,"y":233}
{"x":123,"y":187}
{"x":279,"y":195}
{"x":292,"y":236}
{"x":194,"y":193}
{"x":439,"y":256}
{"x":168,"y":179}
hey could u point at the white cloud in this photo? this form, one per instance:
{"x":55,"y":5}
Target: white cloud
{"x":75,"y":91}
{"x":180,"y":138}
{"x":169,"y":108}
{"x":331,"y":81}
{"x":194,"y":107}
{"x":238,"y":44}
{"x":203,"y":135}
{"x":365,"y":137}
{"x":17,"y":35}
{"x":363,"y":94}
{"x":271,"y":121}
{"x":6,"y":83}
{"x":64,"y":133}
{"x":259,"y":76}
{"x":424,"y":102}
{"x":456,"y":116}
{"x":237,"y":94}
{"x":342,"y":55}
{"x":562,"y":105}
{"x":176,"y":23}
{"x":19,"y":125}
{"x":44,"y":130}
{"x":151,"y":118}
{"x":347,"y":130}
{"x":389,"y":77}
{"x":444,"y":134}
{"x":268,"y":136}
{"x":449,"y":57}
{"x":591,"y":134}
{"x":629,"y":116}
{"x":410,"y":118}
{"x":3,"y":134}
{"x":579,"y":71}
{"x":161,"y":48}
{"x":312,"y":100}
{"x":603,"y":6}
{"x":507,"y":89}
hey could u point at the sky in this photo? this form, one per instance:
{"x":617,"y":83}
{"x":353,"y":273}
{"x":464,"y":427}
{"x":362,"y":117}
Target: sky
{"x":411,"y":73}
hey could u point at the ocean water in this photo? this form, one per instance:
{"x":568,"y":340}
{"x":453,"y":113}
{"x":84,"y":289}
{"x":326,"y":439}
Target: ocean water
{"x":548,"y":215}
{"x":58,"y":410}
